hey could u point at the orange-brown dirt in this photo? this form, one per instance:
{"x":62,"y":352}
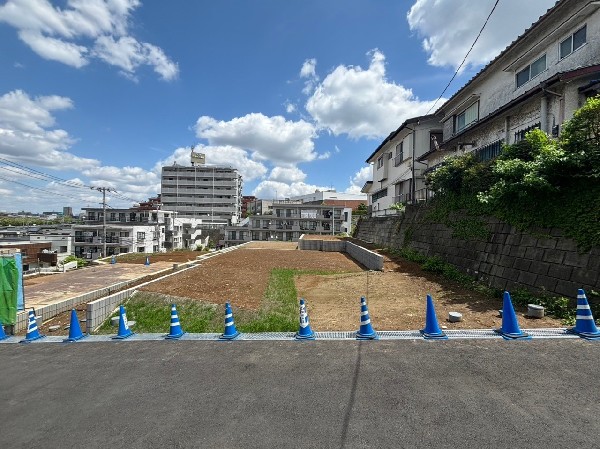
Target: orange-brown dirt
{"x":396,"y":296}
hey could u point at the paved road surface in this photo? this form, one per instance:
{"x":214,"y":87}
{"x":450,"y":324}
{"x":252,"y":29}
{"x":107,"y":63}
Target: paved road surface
{"x":266,"y":394}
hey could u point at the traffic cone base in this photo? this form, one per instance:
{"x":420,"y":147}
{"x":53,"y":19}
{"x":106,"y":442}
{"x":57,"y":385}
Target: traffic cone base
{"x":366,"y":331}
{"x":124,"y":331}
{"x":147,"y":261}
{"x":510,"y":326}
{"x":304,"y":332}
{"x":585,"y":326}
{"x":3,"y":335}
{"x":32,"y":330}
{"x":74,"y":329}
{"x":175,"y":332}
{"x":231,"y":333}
{"x":432,"y":329}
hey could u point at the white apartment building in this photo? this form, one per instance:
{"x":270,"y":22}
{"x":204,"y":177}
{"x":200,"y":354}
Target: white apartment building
{"x":398,"y":175}
{"x":209,"y":193}
{"x":133,"y":230}
{"x":538,"y":81}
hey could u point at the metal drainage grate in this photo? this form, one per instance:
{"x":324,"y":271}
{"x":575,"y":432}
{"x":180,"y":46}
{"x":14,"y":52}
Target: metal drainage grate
{"x":335,"y":335}
{"x":549,"y":333}
{"x":268,"y":336}
{"x":208,"y":336}
{"x":399,"y":335}
{"x":472,"y":333}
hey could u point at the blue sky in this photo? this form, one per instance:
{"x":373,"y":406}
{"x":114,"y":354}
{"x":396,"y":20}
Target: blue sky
{"x":296,"y":94}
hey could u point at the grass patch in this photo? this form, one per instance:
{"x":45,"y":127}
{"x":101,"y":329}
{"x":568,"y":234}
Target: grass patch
{"x":278,"y":311}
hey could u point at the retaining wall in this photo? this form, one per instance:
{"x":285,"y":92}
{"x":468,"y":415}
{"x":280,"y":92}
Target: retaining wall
{"x":369,"y":259}
{"x":506,"y":260}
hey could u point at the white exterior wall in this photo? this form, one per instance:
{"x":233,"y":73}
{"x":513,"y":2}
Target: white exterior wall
{"x":497,"y":85}
{"x":62,"y":244}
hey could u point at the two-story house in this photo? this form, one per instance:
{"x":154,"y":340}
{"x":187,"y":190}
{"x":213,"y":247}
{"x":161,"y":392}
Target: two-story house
{"x":397,"y":170}
{"x":538,"y":81}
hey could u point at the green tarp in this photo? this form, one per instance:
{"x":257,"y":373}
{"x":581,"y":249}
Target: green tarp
{"x":9,"y":283}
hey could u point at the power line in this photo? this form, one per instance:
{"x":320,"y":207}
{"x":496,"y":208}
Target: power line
{"x":50,"y":192}
{"x":465,"y":58}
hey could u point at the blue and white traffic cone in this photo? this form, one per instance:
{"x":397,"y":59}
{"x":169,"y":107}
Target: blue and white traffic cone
{"x":432,"y":329}
{"x":3,"y":335}
{"x":147,"y":261}
{"x":74,"y":329}
{"x":231,"y":333}
{"x":124,"y":331}
{"x":32,"y":329}
{"x":585,"y":326}
{"x":366,"y":331}
{"x":113,"y":260}
{"x":175,"y":332}
{"x":304,"y":332}
{"x":510,"y":329}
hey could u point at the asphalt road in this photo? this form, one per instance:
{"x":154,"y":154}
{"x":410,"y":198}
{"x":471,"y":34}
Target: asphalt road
{"x":324,"y":394}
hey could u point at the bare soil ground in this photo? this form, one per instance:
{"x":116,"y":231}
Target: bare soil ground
{"x":396,"y":296}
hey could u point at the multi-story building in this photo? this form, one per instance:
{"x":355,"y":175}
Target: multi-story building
{"x":538,"y":81}
{"x":289,"y":220}
{"x":332,"y":198}
{"x":246,"y":199}
{"x":397,"y":172}
{"x":260,"y":207}
{"x":133,"y":230}
{"x":212,"y":194}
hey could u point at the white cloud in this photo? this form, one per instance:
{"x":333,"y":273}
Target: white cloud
{"x":290,"y":108}
{"x":55,"y":49}
{"x":268,"y":138}
{"x":363,"y":103}
{"x":274,"y":189}
{"x":26,"y":133}
{"x":218,"y":155}
{"x":308,"y":69}
{"x":288,"y":175}
{"x":447,"y":45}
{"x":85,"y":29}
{"x":128,"y":54}
{"x":358,"y":180}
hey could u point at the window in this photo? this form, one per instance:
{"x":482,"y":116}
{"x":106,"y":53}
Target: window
{"x":531,"y":71}
{"x":573,"y":42}
{"x":435,"y":140}
{"x":399,"y":154}
{"x":141,"y":236}
{"x":381,"y":194}
{"x":380,"y":162}
{"x":466,"y":117}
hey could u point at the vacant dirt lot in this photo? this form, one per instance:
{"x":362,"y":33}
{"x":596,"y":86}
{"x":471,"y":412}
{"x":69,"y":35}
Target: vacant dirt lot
{"x":396,"y":296}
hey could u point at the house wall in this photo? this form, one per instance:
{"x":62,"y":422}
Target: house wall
{"x":497,"y":85}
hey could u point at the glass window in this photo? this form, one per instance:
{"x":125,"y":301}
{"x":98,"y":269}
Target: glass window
{"x":565,"y":47}
{"x":579,"y":38}
{"x":538,"y":66}
{"x":468,"y":116}
{"x":573,"y":42}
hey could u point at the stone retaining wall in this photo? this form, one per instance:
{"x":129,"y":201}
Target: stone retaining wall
{"x":507,"y":259}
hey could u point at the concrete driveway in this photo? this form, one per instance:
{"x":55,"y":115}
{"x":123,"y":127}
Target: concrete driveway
{"x":323,"y":394}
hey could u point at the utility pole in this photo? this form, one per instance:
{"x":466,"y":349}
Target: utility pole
{"x":103,"y":190}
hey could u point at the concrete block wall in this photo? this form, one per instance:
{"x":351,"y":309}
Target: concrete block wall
{"x":506,"y":260}
{"x":369,"y":259}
